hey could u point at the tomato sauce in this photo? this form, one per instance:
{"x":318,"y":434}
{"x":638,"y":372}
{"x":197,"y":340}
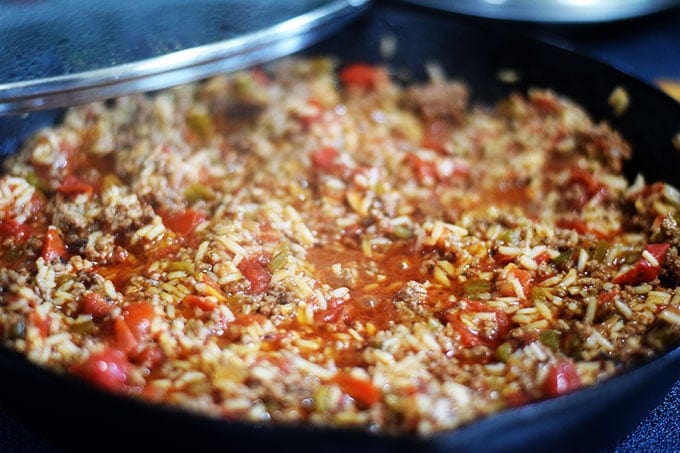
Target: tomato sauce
{"x":374,"y":282}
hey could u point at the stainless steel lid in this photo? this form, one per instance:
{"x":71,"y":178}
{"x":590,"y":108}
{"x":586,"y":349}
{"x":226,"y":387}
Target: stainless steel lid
{"x":58,"y":53}
{"x":553,"y":11}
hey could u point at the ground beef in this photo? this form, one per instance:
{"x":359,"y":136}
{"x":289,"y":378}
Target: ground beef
{"x":604,"y":144}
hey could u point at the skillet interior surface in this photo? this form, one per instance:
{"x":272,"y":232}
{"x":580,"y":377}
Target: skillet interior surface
{"x":79,"y":417}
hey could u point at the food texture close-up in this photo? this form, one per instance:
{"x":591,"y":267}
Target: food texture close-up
{"x":336,"y":250}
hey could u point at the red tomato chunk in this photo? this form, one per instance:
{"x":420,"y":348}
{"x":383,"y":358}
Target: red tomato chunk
{"x":185,"y":222}
{"x":107,"y":369}
{"x":53,"y":246}
{"x":72,"y":186}
{"x":138,"y":317}
{"x":324,"y":158}
{"x":96,"y":305}
{"x":643,"y":271}
{"x":363,"y":76}
{"x":562,"y":378}
{"x":256,"y":274}
{"x":364,"y":392}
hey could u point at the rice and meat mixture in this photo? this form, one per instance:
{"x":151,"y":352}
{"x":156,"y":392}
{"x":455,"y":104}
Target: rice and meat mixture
{"x":321,"y":245}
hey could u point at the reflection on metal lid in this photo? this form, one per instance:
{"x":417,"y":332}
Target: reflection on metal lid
{"x":556,"y":11}
{"x":61,"y":52}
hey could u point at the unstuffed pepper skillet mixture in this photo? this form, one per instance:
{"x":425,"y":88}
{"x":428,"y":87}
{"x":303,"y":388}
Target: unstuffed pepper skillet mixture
{"x":321,"y":245}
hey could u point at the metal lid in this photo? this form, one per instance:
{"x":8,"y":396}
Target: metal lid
{"x":553,"y":11}
{"x":58,"y":53}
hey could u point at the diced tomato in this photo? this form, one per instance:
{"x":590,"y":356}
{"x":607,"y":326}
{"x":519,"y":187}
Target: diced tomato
{"x":185,"y":222}
{"x":256,"y":273}
{"x":364,"y":76}
{"x":335,"y":312}
{"x":517,"y":398}
{"x":202,"y":302}
{"x":363,"y":391}
{"x":542,"y":258}
{"x":124,"y":339}
{"x":561,"y":378}
{"x":658,"y":251}
{"x":609,"y":296}
{"x":324,"y":158}
{"x":108,"y":369}
{"x":53,"y":246}
{"x":120,"y":272}
{"x":470,"y":338}
{"x":139,"y":316}
{"x":312,"y":114}
{"x":425,"y":171}
{"x":644,"y":271}
{"x":507,"y":289}
{"x":96,"y":305}
{"x":72,"y":186}
{"x":343,"y":314}
{"x":20,"y":232}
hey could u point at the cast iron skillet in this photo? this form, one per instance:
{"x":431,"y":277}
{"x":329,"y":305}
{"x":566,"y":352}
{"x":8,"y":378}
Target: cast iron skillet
{"x":80,"y":417}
